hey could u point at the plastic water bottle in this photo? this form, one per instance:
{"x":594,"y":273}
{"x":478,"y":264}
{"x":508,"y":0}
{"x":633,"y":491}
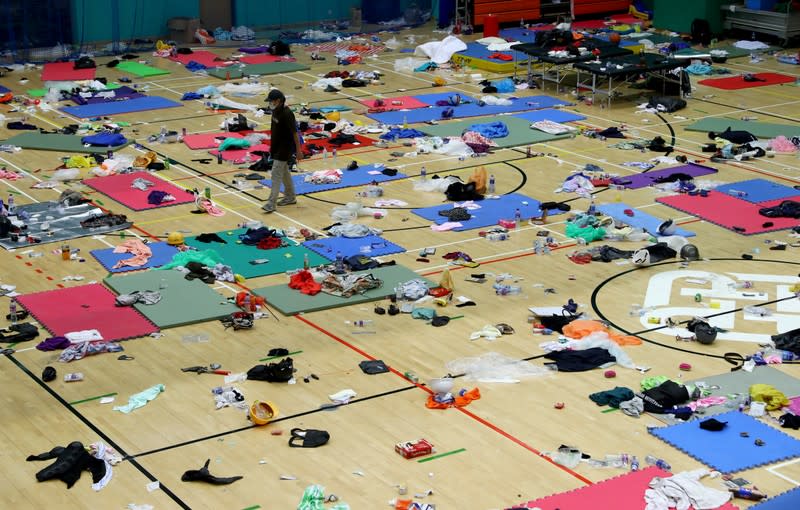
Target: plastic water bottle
{"x":620,"y":460}
{"x":423,"y":174}
{"x":741,"y":285}
{"x":246,"y":302}
{"x":339,"y":262}
{"x":398,"y":293}
{"x":12,"y":311}
{"x":162,"y":136}
{"x":333,"y":153}
{"x":490,"y":187}
{"x":659,"y":463}
{"x":517,"y":217}
{"x":305,"y":262}
{"x":11,"y":206}
{"x":325,"y":153}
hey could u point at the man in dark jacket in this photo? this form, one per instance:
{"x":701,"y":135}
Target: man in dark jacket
{"x":283,"y":143}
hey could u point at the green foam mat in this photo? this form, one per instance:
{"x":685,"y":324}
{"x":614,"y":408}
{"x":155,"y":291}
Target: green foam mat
{"x":238,"y":255}
{"x":520,"y":132}
{"x":141,"y":70}
{"x":182,"y":301}
{"x":256,"y":70}
{"x":291,"y":301}
{"x":55,"y":142}
{"x":760,"y":129}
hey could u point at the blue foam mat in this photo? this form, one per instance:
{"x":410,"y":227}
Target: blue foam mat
{"x":478,"y":50}
{"x":119,"y":107}
{"x":758,"y":190}
{"x":350,"y":178}
{"x":549,"y":114}
{"x":442,"y":96}
{"x":491,"y":211}
{"x":727,"y":451}
{"x":523,"y":35}
{"x":789,"y":500}
{"x":3,"y":89}
{"x":639,"y":219}
{"x":329,"y":246}
{"x":162,"y":253}
{"x":466,"y":110}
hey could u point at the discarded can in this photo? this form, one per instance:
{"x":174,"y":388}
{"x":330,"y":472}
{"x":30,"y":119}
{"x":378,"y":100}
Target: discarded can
{"x":73,"y":377}
{"x":653,"y":320}
{"x":698,"y":297}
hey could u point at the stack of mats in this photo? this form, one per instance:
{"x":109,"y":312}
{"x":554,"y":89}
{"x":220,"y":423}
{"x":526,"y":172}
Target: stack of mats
{"x":86,"y":307}
{"x":736,"y":206}
{"x":644,"y":179}
{"x":477,"y":55}
{"x":234,"y":73}
{"x":366,"y":174}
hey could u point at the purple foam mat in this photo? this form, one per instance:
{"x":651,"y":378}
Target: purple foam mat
{"x":646,"y":179}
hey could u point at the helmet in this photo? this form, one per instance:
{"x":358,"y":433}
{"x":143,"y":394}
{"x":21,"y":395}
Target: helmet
{"x":641,"y":257}
{"x":275,"y":95}
{"x":175,"y":239}
{"x":454,"y":100}
{"x":439,"y":82}
{"x":261,"y":412}
{"x":690,"y":252}
{"x":667,"y":228}
{"x":704,"y":332}
{"x":334,"y":116}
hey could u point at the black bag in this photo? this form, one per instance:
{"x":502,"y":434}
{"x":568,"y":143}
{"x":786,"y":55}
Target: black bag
{"x":84,"y":63}
{"x":308,"y":438}
{"x":279,"y":48}
{"x":663,"y":397}
{"x":788,"y":341}
{"x":671,"y":104}
{"x":21,"y":333}
{"x":701,"y":32}
{"x":281,"y":371}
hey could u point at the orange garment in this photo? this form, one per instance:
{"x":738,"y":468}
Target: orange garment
{"x":580,"y":328}
{"x":141,"y":253}
{"x":304,"y":282}
{"x":479,"y":177}
{"x":460,"y":400}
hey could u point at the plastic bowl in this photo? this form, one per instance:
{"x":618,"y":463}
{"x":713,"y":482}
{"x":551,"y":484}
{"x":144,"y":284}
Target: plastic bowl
{"x":441,"y":385}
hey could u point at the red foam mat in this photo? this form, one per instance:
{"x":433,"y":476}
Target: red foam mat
{"x":265,"y":58}
{"x":738,"y":82}
{"x":389,"y":103}
{"x":65,"y":71}
{"x":241,"y":154}
{"x":118,"y":187}
{"x":84,"y":307}
{"x":624,"y":492}
{"x":206,"y":58}
{"x":208,"y":140}
{"x":729,"y":212}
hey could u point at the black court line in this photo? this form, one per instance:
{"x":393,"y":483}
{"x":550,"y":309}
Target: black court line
{"x":174,"y":497}
{"x":331,"y":407}
{"x":601,"y":315}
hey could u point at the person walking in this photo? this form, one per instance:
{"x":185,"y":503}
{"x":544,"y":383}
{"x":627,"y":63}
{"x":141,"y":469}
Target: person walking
{"x":284,"y":142}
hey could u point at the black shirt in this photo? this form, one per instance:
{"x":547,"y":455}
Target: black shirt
{"x":283,"y":129}
{"x":737,"y":137}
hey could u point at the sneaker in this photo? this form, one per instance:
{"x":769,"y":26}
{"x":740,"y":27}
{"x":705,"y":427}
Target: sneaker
{"x":287,"y":201}
{"x":267,"y":208}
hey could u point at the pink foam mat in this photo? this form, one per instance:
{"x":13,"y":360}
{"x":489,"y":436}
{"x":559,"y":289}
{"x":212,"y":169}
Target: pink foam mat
{"x":406,"y":103}
{"x":265,"y":58}
{"x":65,"y":71}
{"x":206,"y":58}
{"x":84,"y":307}
{"x":118,"y":187}
{"x":730,"y":212}
{"x":624,"y":492}
{"x":241,"y":154}
{"x":207,"y":140}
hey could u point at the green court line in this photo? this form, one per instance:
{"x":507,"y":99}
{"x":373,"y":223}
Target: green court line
{"x":98,"y":397}
{"x":254,"y":507}
{"x":276,"y":357}
{"x":11,"y":346}
{"x":445,"y":454}
{"x":610,"y":409}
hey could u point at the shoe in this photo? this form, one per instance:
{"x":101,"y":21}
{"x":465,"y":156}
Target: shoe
{"x":268,"y":208}
{"x":287,"y":201}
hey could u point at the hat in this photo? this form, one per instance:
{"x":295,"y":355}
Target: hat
{"x":275,"y":95}
{"x":175,"y":239}
{"x":261,"y":412}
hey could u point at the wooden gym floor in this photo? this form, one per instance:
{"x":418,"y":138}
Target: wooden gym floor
{"x":503,"y":433}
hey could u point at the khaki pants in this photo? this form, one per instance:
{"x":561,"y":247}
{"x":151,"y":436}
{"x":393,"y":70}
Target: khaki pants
{"x":280,"y":175}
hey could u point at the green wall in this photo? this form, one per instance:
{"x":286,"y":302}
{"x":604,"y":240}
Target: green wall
{"x":91,"y":19}
{"x":261,"y":13}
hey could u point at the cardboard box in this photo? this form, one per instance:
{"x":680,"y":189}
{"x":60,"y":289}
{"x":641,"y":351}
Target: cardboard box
{"x":413,"y":449}
{"x":181,"y":30}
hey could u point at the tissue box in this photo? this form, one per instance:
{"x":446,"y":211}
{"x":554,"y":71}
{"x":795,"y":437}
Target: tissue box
{"x":412,"y":449}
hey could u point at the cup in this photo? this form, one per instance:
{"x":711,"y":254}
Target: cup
{"x":65,"y":252}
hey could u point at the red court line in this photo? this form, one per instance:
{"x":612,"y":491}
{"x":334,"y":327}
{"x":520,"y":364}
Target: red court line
{"x":472,"y":415}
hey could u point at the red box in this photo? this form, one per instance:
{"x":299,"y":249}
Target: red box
{"x":413,"y":449}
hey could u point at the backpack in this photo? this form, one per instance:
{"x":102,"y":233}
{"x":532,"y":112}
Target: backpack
{"x":20,"y":333}
{"x":701,"y":32}
{"x":282,"y":371}
{"x":279,"y":48}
